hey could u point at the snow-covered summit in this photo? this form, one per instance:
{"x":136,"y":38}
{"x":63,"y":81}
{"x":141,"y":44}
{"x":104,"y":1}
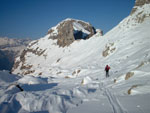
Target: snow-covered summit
{"x":69,"y":30}
{"x":66,"y":20}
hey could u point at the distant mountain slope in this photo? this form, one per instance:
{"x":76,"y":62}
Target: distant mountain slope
{"x":9,"y":49}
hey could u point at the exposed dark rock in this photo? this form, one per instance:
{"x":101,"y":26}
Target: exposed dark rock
{"x":29,"y":71}
{"x":18,"y":86}
{"x":27,"y":67}
{"x":22,"y":58}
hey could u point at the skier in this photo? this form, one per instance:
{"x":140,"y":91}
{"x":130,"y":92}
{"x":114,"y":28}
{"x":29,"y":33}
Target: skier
{"x":107,"y":70}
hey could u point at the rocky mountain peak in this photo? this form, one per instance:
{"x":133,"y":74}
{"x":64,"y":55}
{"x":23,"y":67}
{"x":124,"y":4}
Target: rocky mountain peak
{"x":139,"y":3}
{"x":69,"y":30}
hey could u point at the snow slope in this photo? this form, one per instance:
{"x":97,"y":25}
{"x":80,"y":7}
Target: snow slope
{"x":76,"y":82}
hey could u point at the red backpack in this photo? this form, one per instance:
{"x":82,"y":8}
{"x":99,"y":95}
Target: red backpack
{"x":107,"y":68}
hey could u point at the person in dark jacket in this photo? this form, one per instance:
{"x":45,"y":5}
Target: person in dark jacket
{"x":107,"y":68}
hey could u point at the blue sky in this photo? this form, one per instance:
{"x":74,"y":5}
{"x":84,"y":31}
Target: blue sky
{"x":33,"y":18}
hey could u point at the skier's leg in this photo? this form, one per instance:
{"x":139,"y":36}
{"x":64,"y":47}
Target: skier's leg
{"x":106,"y":74}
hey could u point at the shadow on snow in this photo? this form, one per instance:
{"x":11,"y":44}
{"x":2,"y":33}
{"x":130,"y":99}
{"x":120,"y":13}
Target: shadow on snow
{"x":38,"y":87}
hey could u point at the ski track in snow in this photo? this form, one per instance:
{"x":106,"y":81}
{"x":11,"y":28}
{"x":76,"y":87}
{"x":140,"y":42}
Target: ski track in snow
{"x":113,"y":100}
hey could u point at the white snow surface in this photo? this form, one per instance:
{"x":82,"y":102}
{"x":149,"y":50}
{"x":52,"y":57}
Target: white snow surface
{"x":73,"y":78}
{"x":79,"y":27}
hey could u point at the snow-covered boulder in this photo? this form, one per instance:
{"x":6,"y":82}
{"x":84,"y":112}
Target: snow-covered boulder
{"x":86,"y":80}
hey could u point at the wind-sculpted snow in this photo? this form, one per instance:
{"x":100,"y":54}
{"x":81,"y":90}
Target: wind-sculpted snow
{"x":50,"y":97}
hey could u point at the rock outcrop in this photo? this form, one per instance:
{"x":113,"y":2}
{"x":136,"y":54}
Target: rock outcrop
{"x":139,"y":3}
{"x":70,"y":30}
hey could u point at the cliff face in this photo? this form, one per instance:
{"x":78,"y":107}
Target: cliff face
{"x":70,"y":30}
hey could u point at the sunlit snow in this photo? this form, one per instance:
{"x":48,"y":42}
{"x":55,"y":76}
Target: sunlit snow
{"x":72,"y":79}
